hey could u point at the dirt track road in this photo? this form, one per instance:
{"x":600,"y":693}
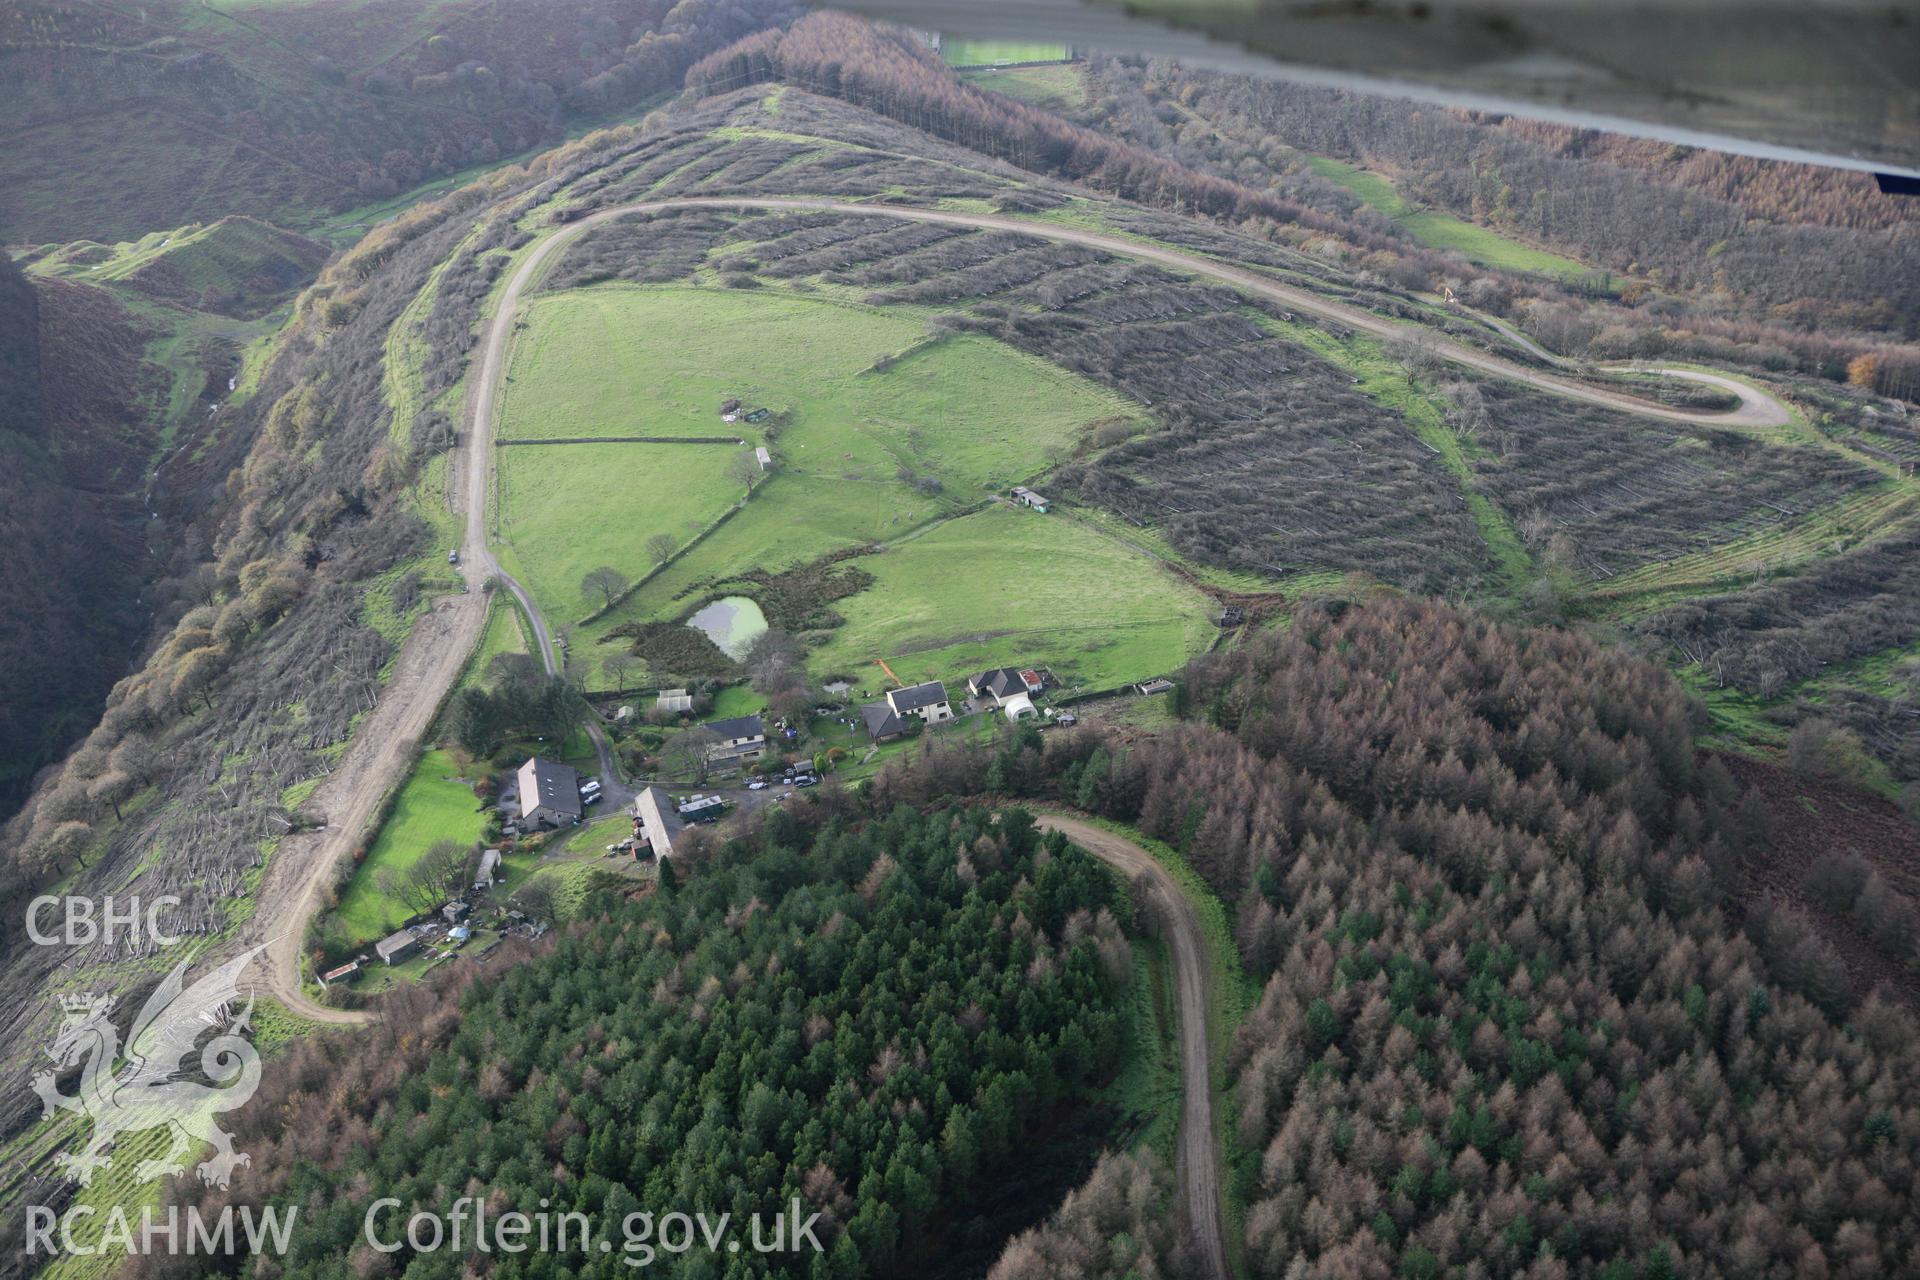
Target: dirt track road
{"x":1198,"y":1165}
{"x":434,"y":654}
{"x":436,"y":651}
{"x":297,"y":874}
{"x":1757,"y":408}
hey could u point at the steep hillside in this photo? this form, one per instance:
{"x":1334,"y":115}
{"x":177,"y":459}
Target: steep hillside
{"x":269,"y":648}
{"x":237,"y":267}
{"x":1538,"y":766}
{"x":176,"y":111}
{"x":72,"y":441}
{"x":23,"y":410}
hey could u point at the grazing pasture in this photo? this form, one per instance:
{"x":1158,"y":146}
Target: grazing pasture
{"x":622,"y":361}
{"x":1062,"y":87}
{"x":1004,"y":586}
{"x":878,"y":426}
{"x":855,"y":380}
{"x":567,"y":509}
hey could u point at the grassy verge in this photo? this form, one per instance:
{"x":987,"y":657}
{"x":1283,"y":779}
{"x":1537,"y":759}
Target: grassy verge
{"x":1232,"y":993}
{"x":1147,"y":1090}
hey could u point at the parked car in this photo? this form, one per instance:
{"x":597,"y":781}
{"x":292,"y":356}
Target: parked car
{"x":453,"y":556}
{"x":805,"y":780}
{"x":758,"y":784}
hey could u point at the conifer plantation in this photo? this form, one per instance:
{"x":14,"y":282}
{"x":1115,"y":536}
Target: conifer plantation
{"x":873,"y":1013}
{"x":951,"y":653}
{"x":1509,"y":1024}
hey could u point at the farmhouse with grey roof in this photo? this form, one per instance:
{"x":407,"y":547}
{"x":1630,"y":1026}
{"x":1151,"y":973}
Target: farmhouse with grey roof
{"x":741,"y":738}
{"x":549,"y":793}
{"x":999,"y":684}
{"x":927,"y":700}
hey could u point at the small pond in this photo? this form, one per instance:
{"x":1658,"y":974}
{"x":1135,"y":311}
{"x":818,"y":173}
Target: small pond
{"x":733,"y":623}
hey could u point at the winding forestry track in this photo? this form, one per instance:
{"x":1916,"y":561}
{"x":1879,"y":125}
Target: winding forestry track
{"x":1757,"y":408}
{"x":436,"y":652}
{"x":1197,"y":1164}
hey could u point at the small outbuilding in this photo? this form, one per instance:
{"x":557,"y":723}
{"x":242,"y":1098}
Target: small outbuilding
{"x":398,"y":947}
{"x":882,"y":722}
{"x":674,"y":701}
{"x":1028,"y":498}
{"x":656,"y":821}
{"x":766,"y":459}
{"x":345,"y":973}
{"x":1019,"y":707}
{"x":703,"y":809}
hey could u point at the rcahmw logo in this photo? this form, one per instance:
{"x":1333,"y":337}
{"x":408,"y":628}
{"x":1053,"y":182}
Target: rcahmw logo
{"x":158,"y":1231}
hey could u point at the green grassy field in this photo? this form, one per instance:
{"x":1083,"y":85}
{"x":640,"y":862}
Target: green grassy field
{"x":659,"y":362}
{"x":738,"y":700}
{"x":569,"y":508}
{"x":968,"y":412}
{"x":987,"y":53}
{"x":794,"y":517}
{"x":1148,"y":1088}
{"x":1010,"y":586}
{"x":1053,"y":87}
{"x":1443,"y":230}
{"x":430,"y":806}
